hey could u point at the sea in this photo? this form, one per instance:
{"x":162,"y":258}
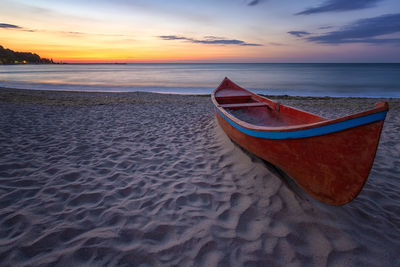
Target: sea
{"x":295,"y":79}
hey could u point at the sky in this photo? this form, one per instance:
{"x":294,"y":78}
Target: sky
{"x":204,"y":30}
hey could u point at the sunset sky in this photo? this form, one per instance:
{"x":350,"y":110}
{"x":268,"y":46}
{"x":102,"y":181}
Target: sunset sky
{"x":204,"y":30}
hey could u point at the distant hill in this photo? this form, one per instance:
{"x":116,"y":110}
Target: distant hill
{"x":8,"y":56}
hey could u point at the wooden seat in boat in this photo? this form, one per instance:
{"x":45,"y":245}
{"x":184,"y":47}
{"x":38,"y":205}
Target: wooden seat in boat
{"x":242,"y":105}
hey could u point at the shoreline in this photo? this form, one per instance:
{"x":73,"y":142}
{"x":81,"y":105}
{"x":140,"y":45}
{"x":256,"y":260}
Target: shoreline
{"x":328,"y":107}
{"x":63,"y":97}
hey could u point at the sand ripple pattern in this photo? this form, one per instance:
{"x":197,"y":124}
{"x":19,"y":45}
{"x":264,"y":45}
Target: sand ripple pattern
{"x":158,"y":183}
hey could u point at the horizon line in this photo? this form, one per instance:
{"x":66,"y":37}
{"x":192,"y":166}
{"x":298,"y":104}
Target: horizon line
{"x":174,"y":62}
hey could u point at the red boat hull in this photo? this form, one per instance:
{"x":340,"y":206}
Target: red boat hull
{"x":331,"y":166}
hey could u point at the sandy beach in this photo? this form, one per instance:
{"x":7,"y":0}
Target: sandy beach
{"x":144,"y":179}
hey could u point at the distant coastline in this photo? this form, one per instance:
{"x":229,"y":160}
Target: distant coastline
{"x":10,"y":57}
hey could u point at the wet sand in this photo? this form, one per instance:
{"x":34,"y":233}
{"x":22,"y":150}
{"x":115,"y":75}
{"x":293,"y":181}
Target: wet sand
{"x":138,"y":178}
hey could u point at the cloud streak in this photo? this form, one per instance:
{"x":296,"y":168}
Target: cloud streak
{"x":9,"y":26}
{"x":276,"y":44}
{"x":253,"y":2}
{"x":298,"y":33}
{"x":363,"y":31}
{"x":68,"y":33}
{"x":208,"y":40}
{"x":339,"y":6}
{"x":172,"y":37}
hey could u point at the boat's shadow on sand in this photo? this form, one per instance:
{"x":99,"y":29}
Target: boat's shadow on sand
{"x":274,"y":170}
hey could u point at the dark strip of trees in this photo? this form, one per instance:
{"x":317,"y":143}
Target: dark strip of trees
{"x":8,"y":56}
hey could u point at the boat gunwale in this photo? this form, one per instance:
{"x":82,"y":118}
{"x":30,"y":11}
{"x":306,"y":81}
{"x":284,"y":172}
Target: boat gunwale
{"x":378,"y":107}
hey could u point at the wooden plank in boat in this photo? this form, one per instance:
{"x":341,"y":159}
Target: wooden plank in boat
{"x":242,"y":105}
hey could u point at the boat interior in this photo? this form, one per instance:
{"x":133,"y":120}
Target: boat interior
{"x":261,"y":111}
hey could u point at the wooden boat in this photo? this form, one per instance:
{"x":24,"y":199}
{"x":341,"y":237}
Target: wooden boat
{"x":330,"y":159}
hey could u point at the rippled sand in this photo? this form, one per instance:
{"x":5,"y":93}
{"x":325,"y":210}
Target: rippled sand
{"x":135,"y":178}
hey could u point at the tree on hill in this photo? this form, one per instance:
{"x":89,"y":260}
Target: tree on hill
{"x":8,"y":56}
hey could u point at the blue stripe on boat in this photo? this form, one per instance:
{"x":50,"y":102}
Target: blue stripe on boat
{"x":326,"y":129}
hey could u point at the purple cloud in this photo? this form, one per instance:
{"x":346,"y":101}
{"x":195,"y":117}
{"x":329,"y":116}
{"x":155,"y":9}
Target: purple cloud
{"x":339,"y":6}
{"x":298,"y":33}
{"x":208,"y":40}
{"x":253,"y":2}
{"x":172,"y":37}
{"x":9,"y":26}
{"x":363,"y":31}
